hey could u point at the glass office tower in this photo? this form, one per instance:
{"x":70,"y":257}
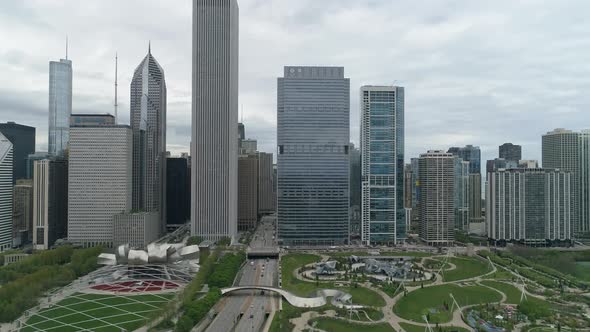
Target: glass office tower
{"x":382,"y":170}
{"x":60,"y":105}
{"x":313,"y":110}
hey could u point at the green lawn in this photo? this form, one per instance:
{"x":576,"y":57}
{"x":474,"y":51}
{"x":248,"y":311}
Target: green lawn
{"x":415,"y":328}
{"x":291,"y":262}
{"x":97,"y":312}
{"x":419,"y":302}
{"x":467,"y":267}
{"x":512,"y":293}
{"x":336,"y":325}
{"x":381,"y":253}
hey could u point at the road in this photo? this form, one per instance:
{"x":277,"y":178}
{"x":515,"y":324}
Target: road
{"x":247,"y":310}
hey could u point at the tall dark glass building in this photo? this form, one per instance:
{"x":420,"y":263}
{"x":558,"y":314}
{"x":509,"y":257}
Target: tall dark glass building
{"x":177,"y":191}
{"x":23,"y":142}
{"x":313,"y":135}
{"x":510,"y":152}
{"x":469,"y":153}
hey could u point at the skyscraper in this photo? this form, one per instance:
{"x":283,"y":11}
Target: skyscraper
{"x":60,"y":105}
{"x":561,"y":150}
{"x":177,"y":191}
{"x":23,"y":143}
{"x":266,"y":197}
{"x":99,"y":181}
{"x":531,"y":206}
{"x":461,"y":194}
{"x":469,"y":153}
{"x":22,"y":212}
{"x":247,"y":192}
{"x":148,"y":124}
{"x":6,"y":154}
{"x":510,"y":152}
{"x":583,"y":179}
{"x":436,"y":197}
{"x":50,"y":201}
{"x":214,"y":151}
{"x":313,"y":135}
{"x":382,"y":160}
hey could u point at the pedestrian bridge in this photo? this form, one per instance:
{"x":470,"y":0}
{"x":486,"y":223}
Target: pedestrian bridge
{"x":339,"y":298}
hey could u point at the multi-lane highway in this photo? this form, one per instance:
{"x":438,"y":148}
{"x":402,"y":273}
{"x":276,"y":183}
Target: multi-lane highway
{"x":248,"y":310}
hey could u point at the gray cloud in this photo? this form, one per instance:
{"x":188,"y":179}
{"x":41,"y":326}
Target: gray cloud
{"x":480,"y":73}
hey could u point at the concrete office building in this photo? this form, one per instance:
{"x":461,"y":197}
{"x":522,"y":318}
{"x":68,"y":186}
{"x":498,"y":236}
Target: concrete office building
{"x":60,"y":105}
{"x":22,"y":213}
{"x":136,"y":228}
{"x":30,"y":162}
{"x":177,"y":191}
{"x":6,"y":167}
{"x":148,"y":124}
{"x":23,"y":143}
{"x":583,"y":180}
{"x":500,"y":163}
{"x":437,"y":197}
{"x":248,"y":146}
{"x":474,"y":201}
{"x":50,"y":202}
{"x":99,"y":181}
{"x":510,"y":152}
{"x":266,"y":197}
{"x":561,"y":150}
{"x":214,"y":151}
{"x":382,"y":164}
{"x":530,"y":206}
{"x":408,"y":186}
{"x":528,"y":164}
{"x":247,"y":192}
{"x":92,"y":120}
{"x":462,"y":193}
{"x":313,"y":134}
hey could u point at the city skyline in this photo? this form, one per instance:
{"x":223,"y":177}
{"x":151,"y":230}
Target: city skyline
{"x":461,"y":96}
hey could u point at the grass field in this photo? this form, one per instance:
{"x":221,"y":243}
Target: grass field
{"x":466,"y":268}
{"x":336,"y":325}
{"x":419,"y":302}
{"x":97,"y":312}
{"x":415,"y":328}
{"x":512,"y":293}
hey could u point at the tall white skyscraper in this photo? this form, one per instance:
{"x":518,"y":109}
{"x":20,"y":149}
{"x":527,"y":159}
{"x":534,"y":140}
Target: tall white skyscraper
{"x":5,"y":193}
{"x":99,"y":181}
{"x":148,"y":124}
{"x":382,"y":168}
{"x":214,"y":150}
{"x":60,"y":105}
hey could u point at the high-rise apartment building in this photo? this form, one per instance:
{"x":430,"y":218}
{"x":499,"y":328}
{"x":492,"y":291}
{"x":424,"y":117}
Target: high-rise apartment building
{"x":6,"y":155}
{"x":500,"y":163}
{"x":462,"y":193}
{"x":313,"y":134}
{"x":560,"y":150}
{"x":99,"y":181}
{"x":474,"y":201}
{"x":23,"y":143}
{"x":22,"y":212}
{"x":437,"y":197}
{"x":531,"y":206}
{"x":60,"y":105}
{"x":148,"y":124}
{"x":247,"y":192}
{"x":214,"y":151}
{"x":510,"y":152}
{"x":50,"y":201}
{"x":583,"y":181}
{"x":382,"y":164}
{"x":529,"y":163}
{"x":177,"y":191}
{"x":266,"y":197}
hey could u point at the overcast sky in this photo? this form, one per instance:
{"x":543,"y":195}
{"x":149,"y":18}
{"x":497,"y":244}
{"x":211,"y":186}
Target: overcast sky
{"x":475,"y":72}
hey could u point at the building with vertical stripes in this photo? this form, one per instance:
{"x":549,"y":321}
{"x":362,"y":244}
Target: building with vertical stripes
{"x":99,"y":181}
{"x":266,"y":197}
{"x":50,"y":201}
{"x":461,"y":194}
{"x":214,"y":151}
{"x":148,"y":124}
{"x":313,"y":137}
{"x":6,"y":193}
{"x":529,"y":205}
{"x":436,"y":177}
{"x":382,"y":165}
{"x":247,"y":192}
{"x":22,"y":212}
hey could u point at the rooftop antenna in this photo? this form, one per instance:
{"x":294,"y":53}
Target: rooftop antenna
{"x":116,"y":60}
{"x":66,"y":47}
{"x":149,"y":47}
